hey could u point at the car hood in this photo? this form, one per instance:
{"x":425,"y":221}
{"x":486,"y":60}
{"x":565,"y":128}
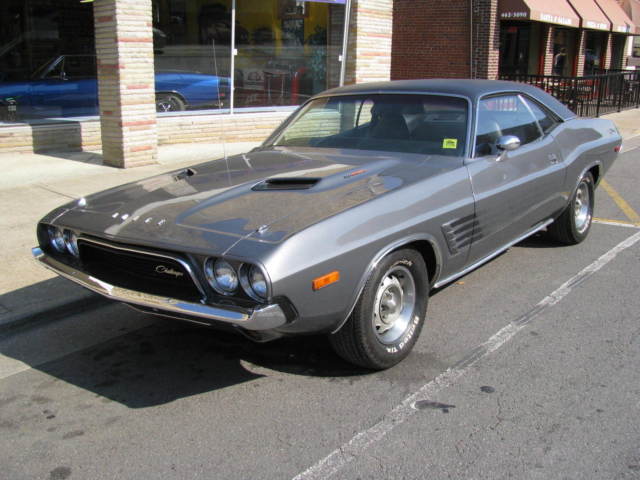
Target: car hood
{"x":266,"y":195}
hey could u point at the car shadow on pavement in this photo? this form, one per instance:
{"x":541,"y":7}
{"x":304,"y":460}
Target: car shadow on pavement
{"x":167,"y":361}
{"x":539,"y":240}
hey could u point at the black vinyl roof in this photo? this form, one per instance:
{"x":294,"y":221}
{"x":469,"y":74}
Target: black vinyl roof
{"x":472,"y":89}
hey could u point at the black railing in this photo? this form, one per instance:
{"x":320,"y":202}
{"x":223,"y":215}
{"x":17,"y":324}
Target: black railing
{"x":589,"y":96}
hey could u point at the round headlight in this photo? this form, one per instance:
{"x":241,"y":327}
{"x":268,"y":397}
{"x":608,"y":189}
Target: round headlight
{"x":56,"y":239}
{"x":258,"y":282}
{"x":71,"y":242}
{"x":221,"y":276}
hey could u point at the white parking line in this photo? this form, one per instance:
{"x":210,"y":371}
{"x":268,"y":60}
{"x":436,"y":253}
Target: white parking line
{"x":615,"y":223}
{"x":351,"y":450}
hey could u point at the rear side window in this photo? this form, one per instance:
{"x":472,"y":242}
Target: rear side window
{"x":504,"y":115}
{"x":545,"y":119}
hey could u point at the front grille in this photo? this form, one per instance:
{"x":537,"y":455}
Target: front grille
{"x":142,"y":272}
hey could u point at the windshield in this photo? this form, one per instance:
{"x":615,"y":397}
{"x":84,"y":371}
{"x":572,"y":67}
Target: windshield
{"x":428,"y":124}
{"x":44,"y":68}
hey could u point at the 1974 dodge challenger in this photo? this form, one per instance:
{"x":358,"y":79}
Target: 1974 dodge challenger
{"x":342,"y":221}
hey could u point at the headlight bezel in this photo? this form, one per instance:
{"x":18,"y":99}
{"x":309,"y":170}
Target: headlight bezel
{"x":210,"y":274}
{"x":242,"y":269}
{"x":247,"y":285}
{"x":71,"y":242}
{"x":56,"y":241}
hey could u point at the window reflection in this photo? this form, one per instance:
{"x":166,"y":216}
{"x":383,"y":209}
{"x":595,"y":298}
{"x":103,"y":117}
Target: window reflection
{"x":291,"y":52}
{"x":287,"y":50}
{"x":35,"y":38}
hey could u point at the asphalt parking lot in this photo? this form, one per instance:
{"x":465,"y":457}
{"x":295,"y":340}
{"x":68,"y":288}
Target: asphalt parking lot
{"x":527,"y":368}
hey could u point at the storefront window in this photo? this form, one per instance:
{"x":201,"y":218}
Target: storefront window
{"x":514,"y":48}
{"x":594,"y":44}
{"x":46,"y":47}
{"x":291,"y":50}
{"x":286,"y":50}
{"x":519,"y":48}
{"x":564,"y":51}
{"x":192,"y":47}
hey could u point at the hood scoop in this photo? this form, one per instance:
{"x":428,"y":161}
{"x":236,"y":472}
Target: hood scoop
{"x":286,"y":183}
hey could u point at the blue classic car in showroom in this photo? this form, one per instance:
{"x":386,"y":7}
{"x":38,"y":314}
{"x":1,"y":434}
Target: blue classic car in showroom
{"x":66,"y":86}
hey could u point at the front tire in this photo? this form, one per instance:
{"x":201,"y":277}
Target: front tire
{"x":573,"y":225}
{"x":389,"y":315}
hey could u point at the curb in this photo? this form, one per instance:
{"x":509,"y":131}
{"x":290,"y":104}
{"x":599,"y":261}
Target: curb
{"x":51,"y":314}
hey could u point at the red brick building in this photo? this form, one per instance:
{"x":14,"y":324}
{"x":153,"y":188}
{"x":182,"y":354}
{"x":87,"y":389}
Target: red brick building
{"x":485,"y":38}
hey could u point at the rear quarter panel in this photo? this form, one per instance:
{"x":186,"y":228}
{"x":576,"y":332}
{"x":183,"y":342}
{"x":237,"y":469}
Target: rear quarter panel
{"x":585,"y":143}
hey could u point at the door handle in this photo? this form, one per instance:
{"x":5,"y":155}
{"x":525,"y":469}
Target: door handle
{"x":553,"y":159}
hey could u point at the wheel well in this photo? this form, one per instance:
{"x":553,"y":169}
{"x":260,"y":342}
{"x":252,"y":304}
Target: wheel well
{"x":595,"y":173}
{"x":428,"y":253}
{"x":175,"y":94}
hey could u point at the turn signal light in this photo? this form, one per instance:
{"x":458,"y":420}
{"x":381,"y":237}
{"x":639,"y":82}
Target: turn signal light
{"x":326,"y":280}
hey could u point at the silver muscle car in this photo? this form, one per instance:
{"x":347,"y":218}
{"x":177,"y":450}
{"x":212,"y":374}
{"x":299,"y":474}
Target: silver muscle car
{"x":366,"y":198}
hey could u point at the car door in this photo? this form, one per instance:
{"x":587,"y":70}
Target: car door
{"x":514,"y":190}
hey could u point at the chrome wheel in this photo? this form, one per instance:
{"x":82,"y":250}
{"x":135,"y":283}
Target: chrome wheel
{"x":169,"y":103}
{"x":582,"y":207}
{"x":394,"y":304}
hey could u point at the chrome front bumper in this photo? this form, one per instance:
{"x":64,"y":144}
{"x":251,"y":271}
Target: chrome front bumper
{"x":263,"y":318}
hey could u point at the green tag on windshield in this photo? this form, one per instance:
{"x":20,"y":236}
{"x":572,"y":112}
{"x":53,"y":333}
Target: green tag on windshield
{"x":450,"y":143}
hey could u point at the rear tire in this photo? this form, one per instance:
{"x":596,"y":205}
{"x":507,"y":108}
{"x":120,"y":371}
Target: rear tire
{"x":573,"y":225}
{"x":389,"y":315}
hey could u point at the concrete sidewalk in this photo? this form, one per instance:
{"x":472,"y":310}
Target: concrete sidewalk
{"x":32,"y":185}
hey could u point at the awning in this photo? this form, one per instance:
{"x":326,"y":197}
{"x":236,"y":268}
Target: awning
{"x":620,"y":21}
{"x":590,"y":15}
{"x":558,"y":12}
{"x":632,"y":9}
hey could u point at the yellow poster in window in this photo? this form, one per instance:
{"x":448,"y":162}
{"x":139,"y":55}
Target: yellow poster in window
{"x":450,"y":143}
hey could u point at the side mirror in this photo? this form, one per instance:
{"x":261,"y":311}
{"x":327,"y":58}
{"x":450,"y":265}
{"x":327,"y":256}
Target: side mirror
{"x":507,"y":143}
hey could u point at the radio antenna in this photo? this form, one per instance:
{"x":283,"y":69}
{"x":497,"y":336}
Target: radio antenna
{"x":222,"y":122}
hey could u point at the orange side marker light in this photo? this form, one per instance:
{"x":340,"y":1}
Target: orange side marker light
{"x":326,"y":280}
{"x":354,"y":173}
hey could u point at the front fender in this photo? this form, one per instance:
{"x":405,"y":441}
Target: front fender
{"x":395,"y":245}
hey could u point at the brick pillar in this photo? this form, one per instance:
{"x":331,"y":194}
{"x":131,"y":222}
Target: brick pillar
{"x":126,"y":85}
{"x":607,"y":51}
{"x":580,"y":53}
{"x":369,"y":49}
{"x":486,"y":39}
{"x":547,"y":44}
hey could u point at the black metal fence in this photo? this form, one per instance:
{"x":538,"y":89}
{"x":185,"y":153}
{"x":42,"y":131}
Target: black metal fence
{"x":589,"y":96}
